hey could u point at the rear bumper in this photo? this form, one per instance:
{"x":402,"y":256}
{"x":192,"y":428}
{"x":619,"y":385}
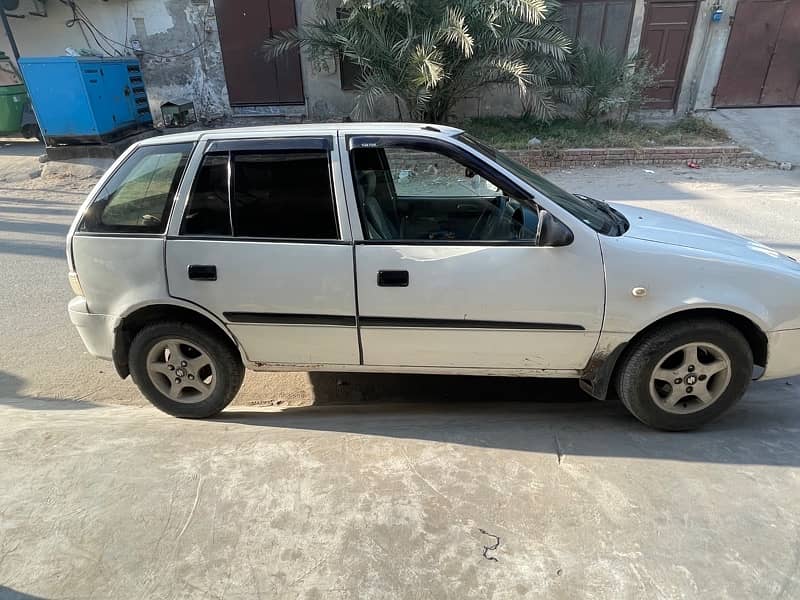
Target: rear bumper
{"x":783,"y":358}
{"x":96,"y":331}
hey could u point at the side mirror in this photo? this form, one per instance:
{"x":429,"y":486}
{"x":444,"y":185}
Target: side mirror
{"x":552,"y":232}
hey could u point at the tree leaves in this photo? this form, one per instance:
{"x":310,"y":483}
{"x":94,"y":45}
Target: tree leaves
{"x":455,"y":31}
{"x":607,"y":83}
{"x":429,"y":54}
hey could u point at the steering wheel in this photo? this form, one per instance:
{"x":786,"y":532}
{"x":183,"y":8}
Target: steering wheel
{"x":487,"y":216}
{"x":518,"y":224}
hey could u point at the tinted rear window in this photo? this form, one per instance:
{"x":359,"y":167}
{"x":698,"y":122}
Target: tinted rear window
{"x":282,"y":194}
{"x":138,"y":197}
{"x":207,"y":212}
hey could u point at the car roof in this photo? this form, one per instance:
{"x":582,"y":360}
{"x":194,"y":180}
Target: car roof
{"x":304,"y":128}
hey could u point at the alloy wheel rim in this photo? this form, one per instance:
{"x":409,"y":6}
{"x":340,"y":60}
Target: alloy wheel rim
{"x":181,"y":370}
{"x":690,"y":378}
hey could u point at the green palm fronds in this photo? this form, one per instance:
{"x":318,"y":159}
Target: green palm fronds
{"x":428,"y":54}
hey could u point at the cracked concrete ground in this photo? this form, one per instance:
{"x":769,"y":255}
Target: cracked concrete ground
{"x":388,"y":500}
{"x":347,"y":486}
{"x":763,"y":129}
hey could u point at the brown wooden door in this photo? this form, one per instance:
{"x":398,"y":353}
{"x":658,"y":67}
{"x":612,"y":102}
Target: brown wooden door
{"x":762,"y":60}
{"x":667,"y":32}
{"x":251,"y":79}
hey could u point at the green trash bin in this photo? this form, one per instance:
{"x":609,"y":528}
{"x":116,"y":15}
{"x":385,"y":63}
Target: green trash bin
{"x":12,"y":103}
{"x":15,"y":113}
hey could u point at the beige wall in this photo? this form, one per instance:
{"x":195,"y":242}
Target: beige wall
{"x":709,"y":62}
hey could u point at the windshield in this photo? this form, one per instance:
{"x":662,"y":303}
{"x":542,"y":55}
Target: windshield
{"x":596,"y":214}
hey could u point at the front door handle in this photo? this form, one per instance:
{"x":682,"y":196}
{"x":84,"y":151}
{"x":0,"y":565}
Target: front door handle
{"x":203,"y":272}
{"x":393,"y":278}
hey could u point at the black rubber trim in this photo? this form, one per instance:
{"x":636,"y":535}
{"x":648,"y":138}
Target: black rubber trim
{"x":119,"y":234}
{"x":348,"y":321}
{"x":289,"y":319}
{"x":287,"y":143}
{"x":463,"y":324}
{"x":228,"y":238}
{"x":411,"y":242}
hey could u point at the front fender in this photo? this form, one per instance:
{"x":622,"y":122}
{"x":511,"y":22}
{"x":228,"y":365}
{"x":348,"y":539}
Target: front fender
{"x":678,"y":279}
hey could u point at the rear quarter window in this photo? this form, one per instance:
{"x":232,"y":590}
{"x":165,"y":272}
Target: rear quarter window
{"x":138,"y":197}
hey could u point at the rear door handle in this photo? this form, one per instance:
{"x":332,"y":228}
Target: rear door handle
{"x":393,"y":278}
{"x":203,"y":272}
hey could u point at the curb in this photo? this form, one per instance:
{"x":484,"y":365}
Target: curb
{"x":615,"y":157}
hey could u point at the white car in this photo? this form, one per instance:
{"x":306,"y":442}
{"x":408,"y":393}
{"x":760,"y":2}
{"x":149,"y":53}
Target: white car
{"x":416,"y":249}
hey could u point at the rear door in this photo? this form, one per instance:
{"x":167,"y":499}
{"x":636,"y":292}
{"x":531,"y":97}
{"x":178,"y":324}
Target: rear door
{"x":448,"y":271}
{"x":261,"y":244}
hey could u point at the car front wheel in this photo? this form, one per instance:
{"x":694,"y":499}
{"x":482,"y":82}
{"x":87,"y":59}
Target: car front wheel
{"x":683,"y":375}
{"x":185,"y":370}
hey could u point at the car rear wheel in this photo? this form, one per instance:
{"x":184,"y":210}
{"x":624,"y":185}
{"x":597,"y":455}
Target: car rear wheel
{"x":683,"y":375}
{"x":185,"y":370}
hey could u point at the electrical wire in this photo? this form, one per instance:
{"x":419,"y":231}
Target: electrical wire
{"x":84,"y":25}
{"x":127,"y":20}
{"x":80,"y":17}
{"x":81,"y":25}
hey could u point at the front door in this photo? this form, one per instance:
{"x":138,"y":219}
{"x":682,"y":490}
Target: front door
{"x":449,"y":274}
{"x":262,"y":246}
{"x":666,"y":36}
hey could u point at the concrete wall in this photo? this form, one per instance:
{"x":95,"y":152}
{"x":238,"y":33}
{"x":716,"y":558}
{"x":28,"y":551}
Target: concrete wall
{"x":711,"y":61}
{"x":709,"y":41}
{"x":167,"y":29}
{"x":325,"y":98}
{"x":163,"y":28}
{"x":171,"y":27}
{"x":637,"y":25}
{"x":706,"y":53}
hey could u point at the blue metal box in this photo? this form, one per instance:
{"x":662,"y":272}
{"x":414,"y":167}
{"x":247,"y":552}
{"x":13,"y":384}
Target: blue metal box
{"x":86,"y":99}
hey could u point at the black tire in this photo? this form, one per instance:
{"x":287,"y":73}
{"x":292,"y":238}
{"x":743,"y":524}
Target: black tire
{"x":642,"y":358}
{"x":31,"y":130}
{"x":229,"y":368}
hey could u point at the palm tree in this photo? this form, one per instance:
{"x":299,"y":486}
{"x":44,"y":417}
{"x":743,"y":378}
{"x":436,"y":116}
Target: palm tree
{"x":429,"y":54}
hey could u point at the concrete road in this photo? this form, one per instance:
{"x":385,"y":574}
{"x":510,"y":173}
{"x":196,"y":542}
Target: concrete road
{"x":392,"y":501}
{"x":382,"y":487}
{"x":768,"y":131}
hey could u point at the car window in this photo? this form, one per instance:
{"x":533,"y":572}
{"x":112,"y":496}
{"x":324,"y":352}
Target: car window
{"x":138,"y":197}
{"x":272,"y":194}
{"x":409,"y":193}
{"x":434,"y":175}
{"x":597,"y":215}
{"x":207,"y":211}
{"x":283,"y":195}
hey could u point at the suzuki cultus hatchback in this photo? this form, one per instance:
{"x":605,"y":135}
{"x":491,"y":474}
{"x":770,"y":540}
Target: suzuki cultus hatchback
{"x":415,"y":249}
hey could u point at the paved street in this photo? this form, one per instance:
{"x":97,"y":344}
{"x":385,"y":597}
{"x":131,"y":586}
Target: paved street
{"x":763,"y":130}
{"x":343,"y":486}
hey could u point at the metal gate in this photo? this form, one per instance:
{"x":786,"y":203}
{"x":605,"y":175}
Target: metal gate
{"x":667,"y":32}
{"x":251,"y":79}
{"x":762,"y":60}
